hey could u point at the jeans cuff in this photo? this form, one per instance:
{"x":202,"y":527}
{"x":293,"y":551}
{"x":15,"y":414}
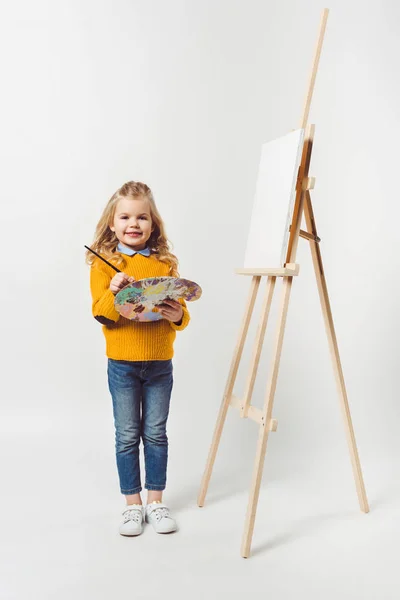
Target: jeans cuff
{"x":135,"y":490}
{"x":155,"y":488}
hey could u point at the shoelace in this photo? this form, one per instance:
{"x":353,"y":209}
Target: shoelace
{"x":159,"y":513}
{"x":134,"y":514}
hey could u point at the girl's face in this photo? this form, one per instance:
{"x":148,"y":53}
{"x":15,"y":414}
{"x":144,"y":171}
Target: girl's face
{"x":132,"y":222}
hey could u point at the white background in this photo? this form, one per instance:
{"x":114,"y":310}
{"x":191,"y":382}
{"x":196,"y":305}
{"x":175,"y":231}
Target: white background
{"x":181,"y":95}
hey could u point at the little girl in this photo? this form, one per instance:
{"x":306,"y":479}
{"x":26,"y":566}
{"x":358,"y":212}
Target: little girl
{"x":131,"y":235}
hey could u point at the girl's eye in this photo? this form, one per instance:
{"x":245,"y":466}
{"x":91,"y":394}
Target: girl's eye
{"x":145,"y":218}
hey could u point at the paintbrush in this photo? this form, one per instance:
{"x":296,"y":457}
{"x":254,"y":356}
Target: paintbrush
{"x":103,"y":259}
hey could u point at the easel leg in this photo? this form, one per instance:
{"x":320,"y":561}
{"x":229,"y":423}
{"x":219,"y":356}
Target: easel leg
{"x":258,"y":346}
{"x":333,"y":346}
{"x":228,"y":390}
{"x":264,"y":428}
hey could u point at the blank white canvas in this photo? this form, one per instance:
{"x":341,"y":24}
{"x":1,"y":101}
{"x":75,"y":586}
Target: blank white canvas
{"x":274,"y":201}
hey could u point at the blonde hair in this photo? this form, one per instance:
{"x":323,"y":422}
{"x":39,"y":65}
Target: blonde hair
{"x":105,"y":241}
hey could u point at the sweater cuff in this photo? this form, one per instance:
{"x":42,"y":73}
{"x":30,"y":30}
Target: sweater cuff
{"x":104,"y":307}
{"x":184,"y":322}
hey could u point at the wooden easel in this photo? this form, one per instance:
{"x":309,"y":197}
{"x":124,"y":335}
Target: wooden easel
{"x":264,"y":417}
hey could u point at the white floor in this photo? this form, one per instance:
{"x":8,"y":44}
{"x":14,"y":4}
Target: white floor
{"x":61,"y":511}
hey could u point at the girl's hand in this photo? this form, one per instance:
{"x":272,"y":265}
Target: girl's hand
{"x":119,"y":281}
{"x":171,"y":310}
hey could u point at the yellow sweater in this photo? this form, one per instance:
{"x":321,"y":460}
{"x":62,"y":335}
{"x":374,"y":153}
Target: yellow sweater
{"x":133,"y":340}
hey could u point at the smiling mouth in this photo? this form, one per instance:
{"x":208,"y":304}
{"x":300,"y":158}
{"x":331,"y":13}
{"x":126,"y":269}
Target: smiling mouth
{"x":134,"y":233}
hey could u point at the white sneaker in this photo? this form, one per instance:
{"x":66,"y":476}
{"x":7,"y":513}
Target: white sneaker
{"x":158,"y":515}
{"x":133,"y":520}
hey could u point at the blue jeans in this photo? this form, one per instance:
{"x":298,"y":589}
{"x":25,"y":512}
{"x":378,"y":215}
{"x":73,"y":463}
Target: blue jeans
{"x":144,"y":385}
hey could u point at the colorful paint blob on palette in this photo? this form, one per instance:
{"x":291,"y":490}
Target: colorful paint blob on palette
{"x":138,"y":301}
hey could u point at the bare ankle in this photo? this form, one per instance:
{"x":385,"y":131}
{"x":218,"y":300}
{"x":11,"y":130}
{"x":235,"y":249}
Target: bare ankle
{"x":154,"y":496}
{"x":133,"y":499}
{"x":151,"y":498}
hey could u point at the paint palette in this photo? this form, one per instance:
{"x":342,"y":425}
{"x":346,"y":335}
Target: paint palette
{"x":138,"y":300}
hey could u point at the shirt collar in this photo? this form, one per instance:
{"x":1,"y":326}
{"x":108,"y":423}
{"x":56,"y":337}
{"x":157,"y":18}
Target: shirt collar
{"x":130,"y":251}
